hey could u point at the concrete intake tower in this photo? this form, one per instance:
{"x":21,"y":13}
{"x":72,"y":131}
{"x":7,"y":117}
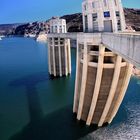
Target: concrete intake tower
{"x":102,"y":76}
{"x":59,"y":55}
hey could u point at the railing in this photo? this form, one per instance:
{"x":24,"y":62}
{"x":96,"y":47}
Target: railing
{"x":125,"y":44}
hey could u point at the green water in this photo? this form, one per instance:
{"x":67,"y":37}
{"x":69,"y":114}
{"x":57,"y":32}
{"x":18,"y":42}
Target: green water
{"x":33,"y":106}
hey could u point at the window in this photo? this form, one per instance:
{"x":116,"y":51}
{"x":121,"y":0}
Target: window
{"x":119,"y":25}
{"x":94,"y":16}
{"x":55,"y":29}
{"x":107,"y":14}
{"x":86,"y":23}
{"x":95,"y":26}
{"x":117,"y":13}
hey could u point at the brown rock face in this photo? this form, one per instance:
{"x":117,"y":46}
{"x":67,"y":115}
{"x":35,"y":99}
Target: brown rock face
{"x":132,"y":16}
{"x":74,"y":24}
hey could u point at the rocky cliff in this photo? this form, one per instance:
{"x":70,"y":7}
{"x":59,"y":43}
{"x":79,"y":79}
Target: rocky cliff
{"x":74,"y":24}
{"x":132,"y":16}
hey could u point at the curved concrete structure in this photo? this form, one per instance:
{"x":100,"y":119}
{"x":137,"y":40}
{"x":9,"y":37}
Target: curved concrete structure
{"x":102,"y":76}
{"x":59,"y":54}
{"x":101,"y":81}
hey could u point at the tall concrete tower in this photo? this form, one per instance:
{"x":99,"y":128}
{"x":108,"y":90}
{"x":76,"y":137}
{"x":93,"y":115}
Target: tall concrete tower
{"x":103,"y":16}
{"x":59,"y":55}
{"x":102,"y":76}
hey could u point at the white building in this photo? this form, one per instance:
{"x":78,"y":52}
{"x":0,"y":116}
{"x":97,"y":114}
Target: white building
{"x":58,"y":25}
{"x":59,"y":54}
{"x":103,"y":16}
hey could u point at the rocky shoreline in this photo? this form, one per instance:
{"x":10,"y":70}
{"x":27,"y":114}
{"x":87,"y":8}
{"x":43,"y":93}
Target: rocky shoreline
{"x":42,"y":38}
{"x":136,"y":72}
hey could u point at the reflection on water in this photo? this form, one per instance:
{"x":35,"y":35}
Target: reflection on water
{"x":33,"y":106}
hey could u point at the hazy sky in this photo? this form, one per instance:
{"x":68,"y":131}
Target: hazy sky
{"x":18,"y":11}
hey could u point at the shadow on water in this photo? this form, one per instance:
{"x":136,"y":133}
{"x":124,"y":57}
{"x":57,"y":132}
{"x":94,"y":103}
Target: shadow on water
{"x":30,"y":82}
{"x":59,"y":125}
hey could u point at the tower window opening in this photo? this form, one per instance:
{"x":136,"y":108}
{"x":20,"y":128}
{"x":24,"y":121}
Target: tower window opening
{"x":109,"y":59}
{"x":107,"y":14}
{"x":119,"y":25}
{"x":86,"y":23}
{"x":117,"y":14}
{"x":61,"y":41}
{"x":95,"y":26}
{"x":60,"y":29}
{"x":95,"y":23}
{"x":94,"y":59}
{"x":55,"y":29}
{"x":94,"y":48}
{"x":94,"y":16}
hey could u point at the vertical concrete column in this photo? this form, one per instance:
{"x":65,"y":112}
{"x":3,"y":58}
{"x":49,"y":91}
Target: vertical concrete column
{"x":122,"y":92}
{"x":57,"y":28}
{"x":77,"y":77}
{"x":83,"y":17}
{"x":100,"y":12}
{"x":112,"y":90}
{"x":97,"y":84}
{"x":122,"y":17}
{"x":53,"y":50}
{"x":90,"y":23}
{"x":113,"y":16}
{"x":49,"y":59}
{"x":84,"y":79}
{"x":59,"y":52}
{"x":69,"y":56}
{"x":66,"y":57}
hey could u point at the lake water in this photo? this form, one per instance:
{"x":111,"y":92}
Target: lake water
{"x":33,"y":106}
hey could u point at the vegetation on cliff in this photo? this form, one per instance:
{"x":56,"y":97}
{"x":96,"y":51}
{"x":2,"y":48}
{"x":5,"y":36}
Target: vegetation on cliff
{"x":74,"y":24}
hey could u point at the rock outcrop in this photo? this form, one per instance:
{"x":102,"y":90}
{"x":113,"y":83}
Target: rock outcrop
{"x":74,"y":24}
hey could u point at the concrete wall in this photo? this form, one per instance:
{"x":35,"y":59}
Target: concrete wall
{"x":102,"y":78}
{"x":125,"y":44}
{"x":98,"y":7}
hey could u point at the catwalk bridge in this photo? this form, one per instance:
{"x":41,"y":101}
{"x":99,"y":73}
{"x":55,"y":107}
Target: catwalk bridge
{"x":126,"y":45}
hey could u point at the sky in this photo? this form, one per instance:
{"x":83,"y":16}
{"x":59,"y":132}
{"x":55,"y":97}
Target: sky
{"x":21,"y":11}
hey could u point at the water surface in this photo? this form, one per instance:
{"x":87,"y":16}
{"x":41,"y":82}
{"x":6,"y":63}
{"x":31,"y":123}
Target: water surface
{"x":33,"y":106}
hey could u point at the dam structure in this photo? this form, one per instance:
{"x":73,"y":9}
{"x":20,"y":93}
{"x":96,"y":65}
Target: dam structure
{"x":106,"y":53}
{"x":102,"y":76}
{"x":59,"y":55}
